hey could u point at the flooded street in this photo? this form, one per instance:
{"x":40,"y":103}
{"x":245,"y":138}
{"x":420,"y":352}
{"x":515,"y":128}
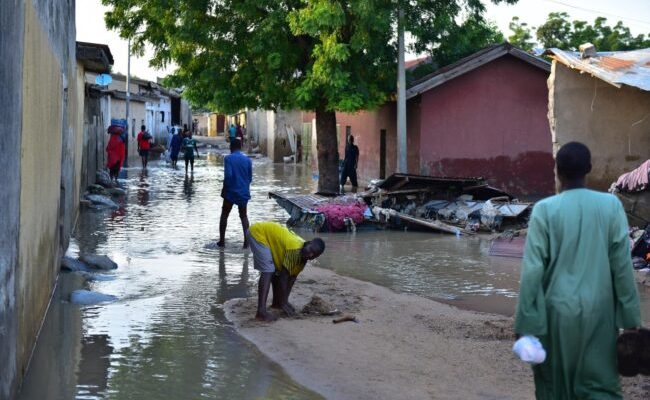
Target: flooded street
{"x":167,"y":337}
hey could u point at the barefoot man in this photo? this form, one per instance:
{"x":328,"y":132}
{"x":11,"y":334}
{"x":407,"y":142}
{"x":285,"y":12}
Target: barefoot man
{"x":237,"y":178}
{"x":280,"y":255}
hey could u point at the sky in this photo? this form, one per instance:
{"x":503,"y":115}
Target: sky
{"x":634,"y":13}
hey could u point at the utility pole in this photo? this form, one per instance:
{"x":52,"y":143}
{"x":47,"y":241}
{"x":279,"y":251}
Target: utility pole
{"x":401,"y":96}
{"x":128,"y":98}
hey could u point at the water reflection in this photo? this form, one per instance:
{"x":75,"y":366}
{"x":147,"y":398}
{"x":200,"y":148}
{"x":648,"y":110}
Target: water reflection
{"x":166,"y":336}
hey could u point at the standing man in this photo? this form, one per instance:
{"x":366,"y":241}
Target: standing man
{"x":577,"y":287}
{"x":237,"y":178}
{"x":144,"y":144}
{"x":350,"y":165}
{"x":189,"y":145}
{"x":280,"y":255}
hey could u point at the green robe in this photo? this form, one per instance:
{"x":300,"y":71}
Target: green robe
{"x":577,"y":288}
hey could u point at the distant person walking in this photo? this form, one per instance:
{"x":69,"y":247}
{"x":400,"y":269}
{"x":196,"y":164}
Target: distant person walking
{"x":577,"y":286}
{"x":144,"y":145}
{"x":280,"y":255}
{"x":115,"y":152}
{"x":239,"y":132}
{"x":189,"y":146}
{"x":237,"y":178}
{"x":232,"y":132}
{"x":350,"y":165}
{"x":175,"y":144}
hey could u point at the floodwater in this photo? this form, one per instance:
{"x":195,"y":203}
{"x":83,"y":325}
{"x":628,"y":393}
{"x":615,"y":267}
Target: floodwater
{"x":167,"y":337}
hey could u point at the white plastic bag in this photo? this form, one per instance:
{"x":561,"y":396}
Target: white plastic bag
{"x":529,"y":349}
{"x":168,"y":158}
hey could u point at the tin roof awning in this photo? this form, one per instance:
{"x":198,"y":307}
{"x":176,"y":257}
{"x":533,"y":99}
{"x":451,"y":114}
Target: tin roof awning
{"x":631,"y":68}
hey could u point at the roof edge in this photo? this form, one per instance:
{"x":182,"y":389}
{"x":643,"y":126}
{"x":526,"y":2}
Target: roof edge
{"x":473,"y":62}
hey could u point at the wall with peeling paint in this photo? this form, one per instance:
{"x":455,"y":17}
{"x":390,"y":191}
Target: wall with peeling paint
{"x":614,"y":123}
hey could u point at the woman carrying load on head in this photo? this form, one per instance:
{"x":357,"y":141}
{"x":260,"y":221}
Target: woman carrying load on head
{"x":115,"y":152}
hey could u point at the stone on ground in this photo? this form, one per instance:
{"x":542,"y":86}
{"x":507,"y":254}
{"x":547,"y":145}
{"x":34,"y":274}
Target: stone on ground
{"x":98,"y":262}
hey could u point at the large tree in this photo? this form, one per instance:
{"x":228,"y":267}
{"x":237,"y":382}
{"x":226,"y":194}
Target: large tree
{"x":318,"y":55}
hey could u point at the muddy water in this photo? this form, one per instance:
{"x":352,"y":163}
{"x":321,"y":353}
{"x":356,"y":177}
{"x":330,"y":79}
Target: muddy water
{"x":167,"y":337}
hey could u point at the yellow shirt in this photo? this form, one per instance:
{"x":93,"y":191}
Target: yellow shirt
{"x":284,"y":244}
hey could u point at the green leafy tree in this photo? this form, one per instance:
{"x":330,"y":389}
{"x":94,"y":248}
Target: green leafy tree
{"x":320,"y":55}
{"x":522,"y":36}
{"x":559,"y":32}
{"x":461,"y":41}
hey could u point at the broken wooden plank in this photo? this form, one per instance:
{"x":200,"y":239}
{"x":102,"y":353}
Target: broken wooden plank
{"x":431,"y":224}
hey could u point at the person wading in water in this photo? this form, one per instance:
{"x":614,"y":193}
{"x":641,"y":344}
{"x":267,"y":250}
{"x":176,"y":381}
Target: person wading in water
{"x":237,"y":178}
{"x":189,"y":145}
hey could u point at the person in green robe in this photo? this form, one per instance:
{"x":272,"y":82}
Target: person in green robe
{"x":577,"y":286}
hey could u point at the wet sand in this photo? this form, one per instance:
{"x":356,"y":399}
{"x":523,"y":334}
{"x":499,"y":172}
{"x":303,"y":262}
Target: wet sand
{"x":404,"y":346}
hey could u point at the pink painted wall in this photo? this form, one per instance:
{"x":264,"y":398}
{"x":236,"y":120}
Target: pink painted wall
{"x":490,"y":122}
{"x":366,"y":128}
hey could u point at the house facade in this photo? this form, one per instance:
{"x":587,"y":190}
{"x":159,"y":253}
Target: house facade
{"x":483,"y":116}
{"x":604,"y":102}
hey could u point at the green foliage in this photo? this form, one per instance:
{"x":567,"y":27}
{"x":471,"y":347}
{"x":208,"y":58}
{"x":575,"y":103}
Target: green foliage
{"x":522,"y":36}
{"x":306,"y":54}
{"x":464,"y":40}
{"x":559,"y":32}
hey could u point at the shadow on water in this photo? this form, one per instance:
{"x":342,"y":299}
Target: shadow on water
{"x":167,"y":336}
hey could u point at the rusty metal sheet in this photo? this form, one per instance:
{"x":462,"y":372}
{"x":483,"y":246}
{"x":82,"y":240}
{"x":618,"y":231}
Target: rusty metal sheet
{"x":631,"y":68}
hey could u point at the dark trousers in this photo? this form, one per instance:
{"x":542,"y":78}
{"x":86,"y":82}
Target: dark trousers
{"x":349,"y":172}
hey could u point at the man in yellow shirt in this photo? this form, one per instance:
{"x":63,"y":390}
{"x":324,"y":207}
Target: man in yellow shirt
{"x":280,"y":255}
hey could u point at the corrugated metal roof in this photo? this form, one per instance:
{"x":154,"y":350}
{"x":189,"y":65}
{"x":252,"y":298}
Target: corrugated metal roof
{"x":631,"y":68}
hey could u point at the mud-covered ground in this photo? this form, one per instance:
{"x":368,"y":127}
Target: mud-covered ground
{"x":403,"y":346}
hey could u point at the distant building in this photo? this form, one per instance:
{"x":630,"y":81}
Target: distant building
{"x":152,"y":105}
{"x":604,"y":102}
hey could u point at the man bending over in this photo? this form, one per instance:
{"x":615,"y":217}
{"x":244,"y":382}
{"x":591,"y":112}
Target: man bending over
{"x":280,"y":255}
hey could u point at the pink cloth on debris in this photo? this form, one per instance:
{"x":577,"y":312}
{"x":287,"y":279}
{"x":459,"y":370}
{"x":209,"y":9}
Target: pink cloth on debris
{"x":634,"y":181}
{"x":335,"y":214}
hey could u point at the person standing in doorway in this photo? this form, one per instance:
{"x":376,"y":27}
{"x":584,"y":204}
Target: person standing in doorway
{"x":237,"y":178}
{"x":280,"y":255}
{"x":144,"y":145}
{"x":175,"y":147}
{"x":350,"y":165}
{"x":189,"y":146}
{"x":577,"y":286}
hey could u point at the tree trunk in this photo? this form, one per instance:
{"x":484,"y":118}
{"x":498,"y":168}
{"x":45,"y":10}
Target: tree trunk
{"x":328,"y":152}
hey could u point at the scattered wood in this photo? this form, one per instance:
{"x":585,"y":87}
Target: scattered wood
{"x":432,"y":224}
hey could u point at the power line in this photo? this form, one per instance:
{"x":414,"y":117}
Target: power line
{"x":598,"y":12}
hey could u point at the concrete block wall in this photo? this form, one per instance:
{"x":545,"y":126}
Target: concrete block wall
{"x":39,"y":199}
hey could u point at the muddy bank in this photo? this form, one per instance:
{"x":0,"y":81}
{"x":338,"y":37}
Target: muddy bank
{"x":404,"y":346}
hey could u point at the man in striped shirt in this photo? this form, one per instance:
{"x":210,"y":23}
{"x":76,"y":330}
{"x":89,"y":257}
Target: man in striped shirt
{"x":280,"y":255}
